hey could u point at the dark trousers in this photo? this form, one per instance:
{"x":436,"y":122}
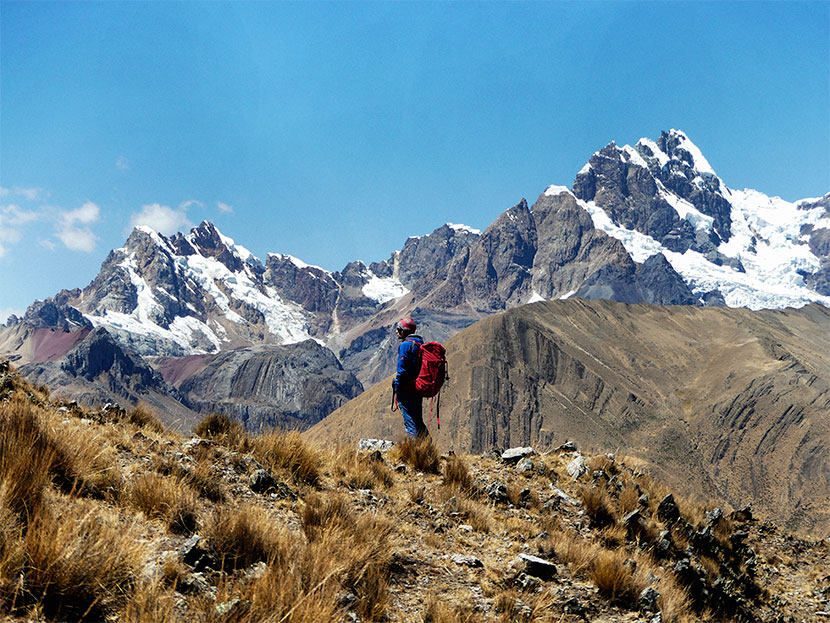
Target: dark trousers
{"x":411,"y":405}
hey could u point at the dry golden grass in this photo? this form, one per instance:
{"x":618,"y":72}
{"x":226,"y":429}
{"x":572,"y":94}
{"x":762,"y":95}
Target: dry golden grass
{"x":142,"y":417}
{"x":598,"y":505}
{"x":167,"y":498}
{"x":437,"y":612}
{"x":27,"y":457}
{"x":287,"y":451}
{"x":243,"y":536}
{"x":80,"y":563}
{"x":457,"y":474}
{"x":222,"y":429}
{"x":420,"y":453}
{"x":614,"y":578}
{"x":359,"y":470}
{"x":151,"y":604}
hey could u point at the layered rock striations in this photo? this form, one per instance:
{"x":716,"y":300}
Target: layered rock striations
{"x":723,"y":402}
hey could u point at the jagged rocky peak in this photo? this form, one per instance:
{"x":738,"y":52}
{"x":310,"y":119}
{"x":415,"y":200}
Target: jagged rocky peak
{"x":209,"y":242}
{"x":423,"y":261}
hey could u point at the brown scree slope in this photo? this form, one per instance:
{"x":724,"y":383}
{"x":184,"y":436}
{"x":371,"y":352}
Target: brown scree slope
{"x":723,"y":403}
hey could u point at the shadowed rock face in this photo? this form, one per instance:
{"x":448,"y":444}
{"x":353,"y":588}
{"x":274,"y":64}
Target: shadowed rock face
{"x":721,"y":402}
{"x":290,"y":386}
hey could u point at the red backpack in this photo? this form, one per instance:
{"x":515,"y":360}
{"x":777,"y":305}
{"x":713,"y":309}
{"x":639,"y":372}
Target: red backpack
{"x":433,"y":369}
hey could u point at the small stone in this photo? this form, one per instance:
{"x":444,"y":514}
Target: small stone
{"x":568,"y":446}
{"x":527,"y":583}
{"x":466,"y":560}
{"x":643,"y":500}
{"x":262,"y":482}
{"x":667,"y":510}
{"x":465,"y":527}
{"x":381,"y":445}
{"x":347,"y":599}
{"x":525,"y":466}
{"x":577,"y":467}
{"x":513,"y":455}
{"x":573,"y":606}
{"x":538,"y":567}
{"x":714,"y":516}
{"x":227,"y":607}
{"x":648,"y":600}
{"x":496,"y":491}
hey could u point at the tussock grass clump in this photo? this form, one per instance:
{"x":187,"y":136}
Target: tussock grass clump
{"x":359,"y":545}
{"x":244,"y":536}
{"x":80,"y":564}
{"x":27,"y":458}
{"x":598,"y":505}
{"x":142,"y":417}
{"x":457,"y":474}
{"x":222,"y":429}
{"x":420,"y":453}
{"x":287,"y":451}
{"x":437,"y":612}
{"x":166,"y":498}
{"x":358,"y":470}
{"x":614,"y":578}
{"x":322,"y":514}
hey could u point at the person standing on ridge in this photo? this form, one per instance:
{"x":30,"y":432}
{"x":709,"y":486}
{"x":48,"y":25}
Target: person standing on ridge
{"x":409,"y":365}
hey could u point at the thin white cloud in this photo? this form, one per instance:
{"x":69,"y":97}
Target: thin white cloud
{"x":122,"y":164}
{"x":73,"y":227}
{"x":12,"y":219}
{"x":184,"y":205}
{"x":224,"y":207}
{"x":163,"y":219}
{"x":30,"y":194}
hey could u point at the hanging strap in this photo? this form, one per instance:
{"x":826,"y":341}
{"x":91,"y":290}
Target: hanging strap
{"x":394,"y":400}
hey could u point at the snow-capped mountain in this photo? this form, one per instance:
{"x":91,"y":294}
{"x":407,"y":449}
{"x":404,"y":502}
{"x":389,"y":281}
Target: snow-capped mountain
{"x":752,"y":250}
{"x":651,"y":223}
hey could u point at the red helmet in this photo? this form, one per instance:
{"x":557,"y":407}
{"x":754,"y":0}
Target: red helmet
{"x":407,"y":324}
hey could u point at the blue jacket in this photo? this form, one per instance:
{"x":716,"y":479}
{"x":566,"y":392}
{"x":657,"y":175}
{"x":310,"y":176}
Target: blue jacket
{"x":409,"y":362}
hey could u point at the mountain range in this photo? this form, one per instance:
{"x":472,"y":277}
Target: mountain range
{"x":194,"y":323}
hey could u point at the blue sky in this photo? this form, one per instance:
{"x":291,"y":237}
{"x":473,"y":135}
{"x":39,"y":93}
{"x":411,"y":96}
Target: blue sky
{"x":333,"y":131}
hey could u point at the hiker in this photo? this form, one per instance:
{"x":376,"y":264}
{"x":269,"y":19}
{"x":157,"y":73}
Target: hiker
{"x":409,"y":365}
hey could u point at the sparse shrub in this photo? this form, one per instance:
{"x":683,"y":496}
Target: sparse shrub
{"x":143,"y":417}
{"x":420,"y":453}
{"x":80,"y":564}
{"x":166,"y":498}
{"x":242,"y":537}
{"x":287,"y":451}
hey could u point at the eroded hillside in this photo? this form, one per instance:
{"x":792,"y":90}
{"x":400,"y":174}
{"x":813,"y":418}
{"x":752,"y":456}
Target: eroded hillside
{"x":728,"y":403}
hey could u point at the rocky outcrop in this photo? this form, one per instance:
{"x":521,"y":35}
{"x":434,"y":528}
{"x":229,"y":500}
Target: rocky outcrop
{"x":498,"y":270}
{"x":291,"y":386}
{"x":98,"y":370}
